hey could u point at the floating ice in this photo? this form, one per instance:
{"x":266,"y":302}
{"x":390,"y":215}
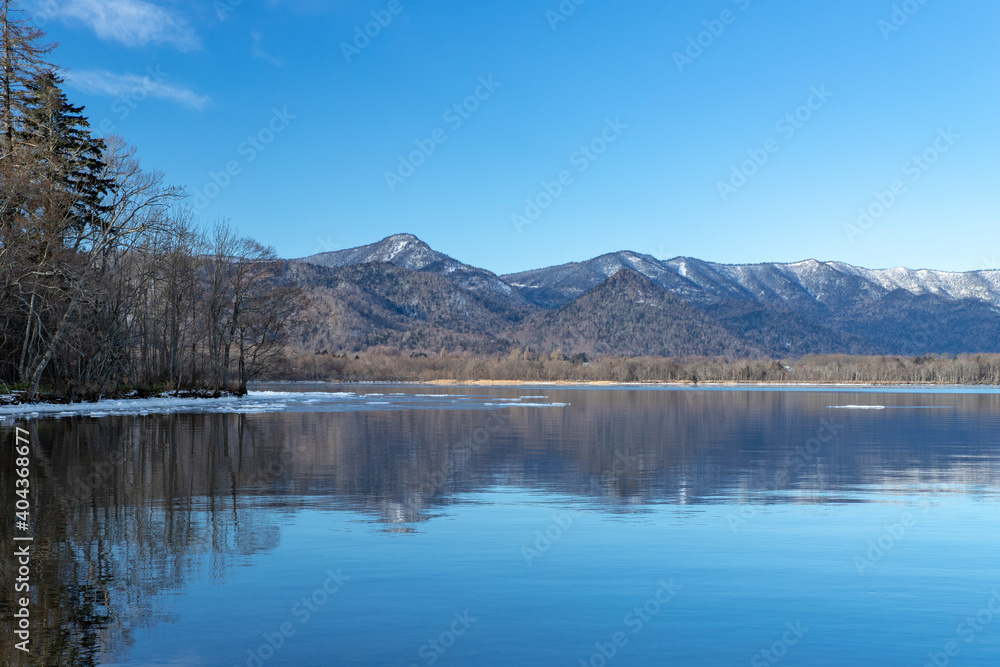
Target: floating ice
{"x":259,"y":402}
{"x":857,"y":407}
{"x":527,"y":405}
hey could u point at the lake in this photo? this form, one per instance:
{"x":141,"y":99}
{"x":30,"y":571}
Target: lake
{"x":421,"y":526}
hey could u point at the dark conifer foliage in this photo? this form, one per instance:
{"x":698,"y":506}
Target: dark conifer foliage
{"x":59,"y":149}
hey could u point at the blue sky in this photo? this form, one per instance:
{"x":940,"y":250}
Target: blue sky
{"x":729,"y":130}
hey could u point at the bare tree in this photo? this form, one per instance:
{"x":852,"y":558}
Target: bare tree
{"x":272,"y":306}
{"x":22,"y":58}
{"x":248,"y":308}
{"x":137,"y":205}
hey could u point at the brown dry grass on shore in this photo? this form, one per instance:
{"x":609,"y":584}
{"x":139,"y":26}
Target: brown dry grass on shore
{"x":526,"y":368}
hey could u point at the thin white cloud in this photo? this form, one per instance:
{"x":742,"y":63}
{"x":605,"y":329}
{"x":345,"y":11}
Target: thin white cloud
{"x":131,"y":22}
{"x":133,"y":86}
{"x":258,"y":52}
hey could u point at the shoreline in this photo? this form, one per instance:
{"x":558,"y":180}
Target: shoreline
{"x":669,"y":383}
{"x":611,"y":383}
{"x":526,"y":369}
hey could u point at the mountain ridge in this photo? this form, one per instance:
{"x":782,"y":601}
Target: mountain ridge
{"x":775,"y":309}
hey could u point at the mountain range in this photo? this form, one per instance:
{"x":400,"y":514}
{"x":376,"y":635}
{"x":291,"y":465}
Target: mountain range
{"x":399,"y":293}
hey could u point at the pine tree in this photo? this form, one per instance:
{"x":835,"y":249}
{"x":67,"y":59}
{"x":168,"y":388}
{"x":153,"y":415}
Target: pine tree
{"x":62,"y":155}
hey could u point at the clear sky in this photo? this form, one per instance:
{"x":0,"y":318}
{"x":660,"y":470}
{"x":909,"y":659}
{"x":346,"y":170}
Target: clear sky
{"x":661,"y":127}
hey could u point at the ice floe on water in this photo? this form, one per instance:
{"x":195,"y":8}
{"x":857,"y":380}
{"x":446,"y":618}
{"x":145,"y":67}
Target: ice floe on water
{"x":139,"y":406}
{"x":894,"y":407}
{"x":260,"y":402}
{"x":857,"y":407}
{"x":527,"y":405}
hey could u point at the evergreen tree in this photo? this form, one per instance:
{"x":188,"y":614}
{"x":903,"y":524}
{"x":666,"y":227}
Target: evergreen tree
{"x":62,"y":156}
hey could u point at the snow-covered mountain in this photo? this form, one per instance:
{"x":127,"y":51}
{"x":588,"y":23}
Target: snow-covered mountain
{"x":404,"y":250}
{"x":830,"y":284}
{"x":781,"y":309}
{"x":558,"y":285}
{"x":409,"y":252}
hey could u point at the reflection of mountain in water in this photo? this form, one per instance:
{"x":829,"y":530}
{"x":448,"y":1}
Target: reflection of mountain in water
{"x":631,"y":447}
{"x":131,"y":508}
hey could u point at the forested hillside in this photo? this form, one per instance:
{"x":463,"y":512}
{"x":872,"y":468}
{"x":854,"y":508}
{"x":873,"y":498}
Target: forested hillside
{"x":400,"y":295}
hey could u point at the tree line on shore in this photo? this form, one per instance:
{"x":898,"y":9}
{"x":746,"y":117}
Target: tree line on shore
{"x":107,"y":283}
{"x":386,"y":365}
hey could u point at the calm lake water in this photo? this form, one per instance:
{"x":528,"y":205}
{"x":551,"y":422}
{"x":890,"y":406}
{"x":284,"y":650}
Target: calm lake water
{"x":418,"y":526}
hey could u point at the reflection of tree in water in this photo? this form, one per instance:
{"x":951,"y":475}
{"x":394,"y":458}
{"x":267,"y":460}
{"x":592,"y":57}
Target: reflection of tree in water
{"x":126,"y":509}
{"x":131,"y":508}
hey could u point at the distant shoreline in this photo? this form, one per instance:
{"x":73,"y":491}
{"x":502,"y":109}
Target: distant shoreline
{"x":255,"y":386}
{"x":692,"y":385}
{"x":557,"y":369}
